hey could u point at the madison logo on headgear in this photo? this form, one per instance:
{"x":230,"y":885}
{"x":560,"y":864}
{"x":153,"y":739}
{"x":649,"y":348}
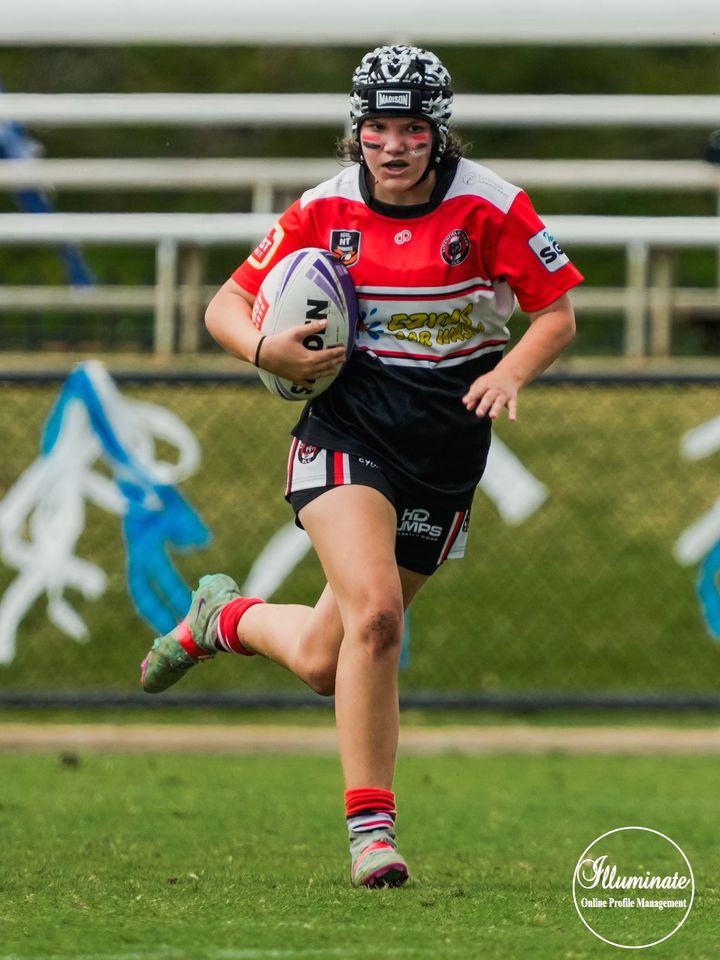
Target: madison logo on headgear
{"x":633,"y":887}
{"x":398,"y":98}
{"x":345,"y":245}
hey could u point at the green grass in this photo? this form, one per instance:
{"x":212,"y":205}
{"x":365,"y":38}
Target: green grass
{"x":584,"y":595}
{"x":169,"y":857}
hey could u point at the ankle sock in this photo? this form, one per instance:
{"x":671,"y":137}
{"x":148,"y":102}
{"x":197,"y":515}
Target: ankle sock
{"x":226,"y":631}
{"x":370,"y":808}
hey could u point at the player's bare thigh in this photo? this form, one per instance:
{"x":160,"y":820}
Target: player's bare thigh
{"x":353,"y":530}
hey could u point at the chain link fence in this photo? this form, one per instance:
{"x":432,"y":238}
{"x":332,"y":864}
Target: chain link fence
{"x":591,"y":573}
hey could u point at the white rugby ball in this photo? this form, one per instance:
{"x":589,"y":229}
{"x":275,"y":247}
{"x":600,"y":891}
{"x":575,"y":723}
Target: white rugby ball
{"x":310,"y":284}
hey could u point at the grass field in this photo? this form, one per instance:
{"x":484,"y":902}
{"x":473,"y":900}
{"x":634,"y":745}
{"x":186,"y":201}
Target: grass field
{"x":169,"y":857}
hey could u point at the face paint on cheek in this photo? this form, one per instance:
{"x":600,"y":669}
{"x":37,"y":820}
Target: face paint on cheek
{"x":420,"y":143}
{"x":371,"y":141}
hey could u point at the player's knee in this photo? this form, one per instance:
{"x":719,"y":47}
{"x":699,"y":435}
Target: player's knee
{"x":380,"y":627}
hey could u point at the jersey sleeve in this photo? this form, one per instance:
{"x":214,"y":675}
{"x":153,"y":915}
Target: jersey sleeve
{"x":529,"y":258}
{"x":290,"y":233}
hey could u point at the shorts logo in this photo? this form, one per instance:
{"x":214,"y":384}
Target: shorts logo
{"x":388,"y":101}
{"x":403,"y":236}
{"x":266,"y":249}
{"x":455,"y":247}
{"x":345,"y":245}
{"x":307,"y":452}
{"x":548,"y":251}
{"x":415,"y":523}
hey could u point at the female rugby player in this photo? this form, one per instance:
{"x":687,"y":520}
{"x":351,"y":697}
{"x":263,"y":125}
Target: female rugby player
{"x":383,"y":465}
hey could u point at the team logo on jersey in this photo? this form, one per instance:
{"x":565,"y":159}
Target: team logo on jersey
{"x":345,"y":245}
{"x":307,"y":452}
{"x":265,"y":250}
{"x":455,"y":247}
{"x":402,"y":236}
{"x":548,"y":251}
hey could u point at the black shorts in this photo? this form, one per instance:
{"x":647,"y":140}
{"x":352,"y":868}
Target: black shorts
{"x":429,"y":531}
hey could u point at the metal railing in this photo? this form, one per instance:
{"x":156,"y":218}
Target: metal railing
{"x":330,"y":109}
{"x":648,"y":243}
{"x":266,"y":176}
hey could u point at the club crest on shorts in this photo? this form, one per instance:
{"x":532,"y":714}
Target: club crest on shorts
{"x":455,"y":247}
{"x":307,"y":452}
{"x":345,"y":245}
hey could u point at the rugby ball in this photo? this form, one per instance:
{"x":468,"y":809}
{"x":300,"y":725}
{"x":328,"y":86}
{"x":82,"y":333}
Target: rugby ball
{"x":310,"y":284}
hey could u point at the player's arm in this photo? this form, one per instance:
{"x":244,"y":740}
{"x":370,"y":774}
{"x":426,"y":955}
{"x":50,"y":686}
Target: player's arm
{"x":228,"y":319}
{"x":551,"y":330}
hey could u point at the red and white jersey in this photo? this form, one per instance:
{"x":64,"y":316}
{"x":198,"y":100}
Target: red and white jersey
{"x":437,"y":284}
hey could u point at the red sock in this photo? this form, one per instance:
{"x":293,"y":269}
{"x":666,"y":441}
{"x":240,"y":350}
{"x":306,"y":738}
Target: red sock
{"x":228,"y":621}
{"x":369,"y":799}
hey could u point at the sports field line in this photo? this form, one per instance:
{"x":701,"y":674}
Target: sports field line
{"x":520,"y":738}
{"x":249,"y":953}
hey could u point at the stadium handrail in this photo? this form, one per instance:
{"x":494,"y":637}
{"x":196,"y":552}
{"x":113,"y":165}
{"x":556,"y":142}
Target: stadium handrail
{"x":170,"y":231}
{"x":330,"y":109}
{"x":179,"y":173}
{"x":218,"y":228}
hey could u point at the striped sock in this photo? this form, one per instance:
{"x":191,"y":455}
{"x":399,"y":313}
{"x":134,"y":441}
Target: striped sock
{"x":370,"y":808}
{"x":227,"y":624}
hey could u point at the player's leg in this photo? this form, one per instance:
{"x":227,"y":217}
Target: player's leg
{"x":301,"y":638}
{"x":305,"y":640}
{"x":353,"y":529}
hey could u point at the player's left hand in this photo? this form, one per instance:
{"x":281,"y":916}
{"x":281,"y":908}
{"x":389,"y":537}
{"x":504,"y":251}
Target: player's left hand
{"x":492,"y":392}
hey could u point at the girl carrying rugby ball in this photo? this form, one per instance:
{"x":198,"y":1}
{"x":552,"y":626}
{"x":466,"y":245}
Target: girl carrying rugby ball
{"x":384,"y":464}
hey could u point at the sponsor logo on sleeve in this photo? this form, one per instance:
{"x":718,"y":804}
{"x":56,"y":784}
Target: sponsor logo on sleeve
{"x":345,"y":245}
{"x":260,"y":308}
{"x":548,"y":251}
{"x":266,"y":249}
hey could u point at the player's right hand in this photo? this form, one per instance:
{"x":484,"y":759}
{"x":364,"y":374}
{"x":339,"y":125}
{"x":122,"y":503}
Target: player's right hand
{"x":295,"y":355}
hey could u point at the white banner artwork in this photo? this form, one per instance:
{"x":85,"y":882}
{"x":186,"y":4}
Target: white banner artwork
{"x":43,"y":515}
{"x":700,"y":543}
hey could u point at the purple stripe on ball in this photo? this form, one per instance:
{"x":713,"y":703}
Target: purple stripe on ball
{"x":293,"y":267}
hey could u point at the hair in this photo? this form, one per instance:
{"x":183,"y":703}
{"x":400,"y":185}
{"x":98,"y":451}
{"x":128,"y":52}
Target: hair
{"x":349,"y":149}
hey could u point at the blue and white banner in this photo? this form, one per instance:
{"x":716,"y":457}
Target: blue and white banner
{"x":98,"y":447}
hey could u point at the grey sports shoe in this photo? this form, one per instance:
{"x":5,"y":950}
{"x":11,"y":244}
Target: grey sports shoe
{"x":375,"y":860}
{"x":193,"y":639}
